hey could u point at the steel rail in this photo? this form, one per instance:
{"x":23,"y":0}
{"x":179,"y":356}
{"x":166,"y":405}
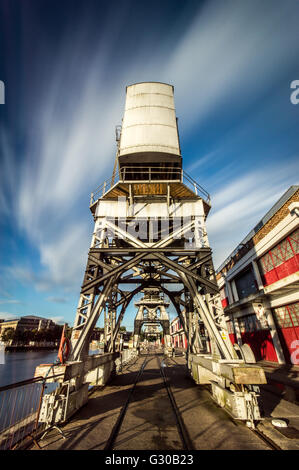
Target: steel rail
{"x":266,"y":439}
{"x":271,"y":444}
{"x":29,"y":381}
{"x":184,"y":435}
{"x":114,"y":433}
{"x":95,"y":388}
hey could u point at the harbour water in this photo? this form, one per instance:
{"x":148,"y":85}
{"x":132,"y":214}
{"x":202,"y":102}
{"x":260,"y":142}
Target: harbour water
{"x":21,"y":365}
{"x":20,"y":404}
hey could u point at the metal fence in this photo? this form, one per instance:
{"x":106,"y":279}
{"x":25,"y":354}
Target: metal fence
{"x":20,"y":405}
{"x":150,"y":175}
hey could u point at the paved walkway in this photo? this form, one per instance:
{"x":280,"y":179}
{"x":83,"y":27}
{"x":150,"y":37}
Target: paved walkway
{"x":283,"y":380}
{"x":149,"y":422}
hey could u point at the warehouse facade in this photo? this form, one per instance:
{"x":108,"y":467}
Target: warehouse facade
{"x":259,"y":285}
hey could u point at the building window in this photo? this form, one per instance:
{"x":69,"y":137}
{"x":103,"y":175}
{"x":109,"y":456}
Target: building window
{"x":294,"y":241}
{"x":280,"y":261}
{"x":250,"y":323}
{"x":281,"y":253}
{"x":245,"y":284}
{"x":287,"y":316}
{"x":266,"y":263}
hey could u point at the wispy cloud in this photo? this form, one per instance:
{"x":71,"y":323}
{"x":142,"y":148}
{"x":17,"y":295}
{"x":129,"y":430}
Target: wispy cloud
{"x":10,"y":301}
{"x":9,"y":172}
{"x":7,"y":316}
{"x":231,"y":55}
{"x":241,"y":203}
{"x":26,"y":276}
{"x":65,"y":157}
{"x":201,"y":161}
{"x":225,"y":59}
{"x":57,"y":300}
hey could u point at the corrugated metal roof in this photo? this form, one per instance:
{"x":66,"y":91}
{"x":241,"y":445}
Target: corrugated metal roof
{"x":287,"y":195}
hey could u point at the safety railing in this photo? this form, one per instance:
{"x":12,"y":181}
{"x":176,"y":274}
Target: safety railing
{"x":125,"y":358}
{"x":20,"y":405}
{"x":197,"y":188}
{"x":145,"y":174}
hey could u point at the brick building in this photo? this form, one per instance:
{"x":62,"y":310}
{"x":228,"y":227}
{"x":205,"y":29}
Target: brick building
{"x":259,"y":284}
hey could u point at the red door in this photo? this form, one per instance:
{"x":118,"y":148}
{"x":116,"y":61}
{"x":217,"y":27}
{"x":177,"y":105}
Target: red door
{"x":258,"y":338}
{"x":261,"y":344}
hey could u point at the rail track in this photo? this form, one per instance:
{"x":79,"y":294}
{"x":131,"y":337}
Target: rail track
{"x":266,"y":440}
{"x":183,"y":433}
{"x":117,"y":426}
{"x":186,"y":441}
{"x":147,"y":410}
{"x":272,"y":445}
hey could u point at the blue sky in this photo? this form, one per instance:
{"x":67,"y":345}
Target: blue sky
{"x":65,"y":65}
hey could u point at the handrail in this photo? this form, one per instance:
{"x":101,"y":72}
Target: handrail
{"x":188,"y":177}
{"x":28,"y":381}
{"x":150,"y":174}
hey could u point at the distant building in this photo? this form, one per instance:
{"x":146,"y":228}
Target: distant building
{"x":259,"y":284}
{"x":8,"y":324}
{"x":127,"y":339}
{"x":98,"y":334}
{"x":34,"y":322}
{"x":177,"y":334}
{"x":28,"y":322}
